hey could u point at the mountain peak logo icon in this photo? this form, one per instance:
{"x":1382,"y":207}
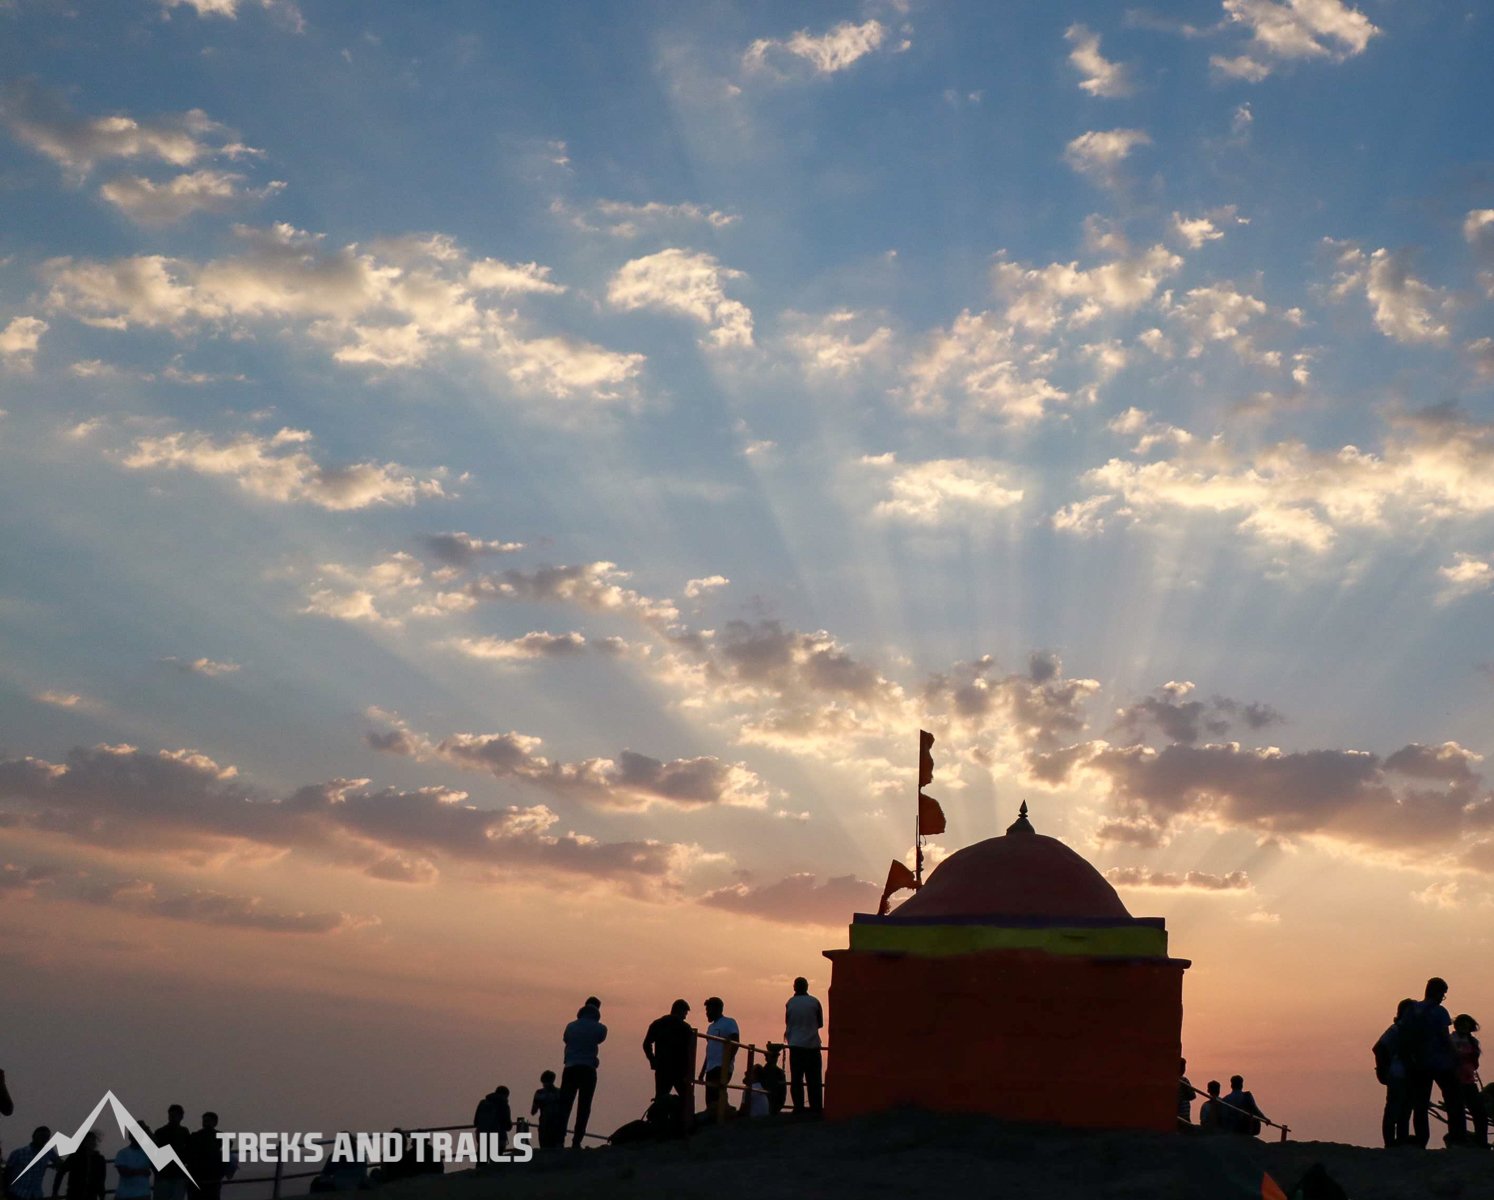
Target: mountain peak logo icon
{"x":64,"y":1144}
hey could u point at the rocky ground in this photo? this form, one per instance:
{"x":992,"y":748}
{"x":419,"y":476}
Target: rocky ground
{"x":915,"y":1154}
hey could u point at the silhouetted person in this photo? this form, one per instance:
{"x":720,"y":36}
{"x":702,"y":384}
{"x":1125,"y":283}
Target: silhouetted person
{"x":1392,"y":1070}
{"x":551,"y":1107}
{"x":1467,"y":1098}
{"x":1186,"y":1092}
{"x":133,"y":1169}
{"x":1211,"y":1111}
{"x":719,"y":1055}
{"x":1243,"y":1114}
{"x":1430,"y":1056}
{"x":755,"y":1096}
{"x":171,"y":1184}
{"x":578,"y":1076}
{"x":29,"y":1185}
{"x":668,"y":1045}
{"x":83,"y":1171}
{"x":493,"y":1115}
{"x":205,"y":1161}
{"x":7,"y":1105}
{"x":773,"y":1081}
{"x":341,"y":1173}
{"x":803,"y":1018}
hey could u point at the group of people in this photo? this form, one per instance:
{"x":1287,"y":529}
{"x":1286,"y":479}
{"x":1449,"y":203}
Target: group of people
{"x":1423,"y":1046}
{"x":82,"y":1173}
{"x":1234,"y":1112}
{"x":670,"y":1047}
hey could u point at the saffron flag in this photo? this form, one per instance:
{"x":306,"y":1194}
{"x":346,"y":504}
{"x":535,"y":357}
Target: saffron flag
{"x":898,"y":877}
{"x":930,"y":816}
{"x":925,"y":758}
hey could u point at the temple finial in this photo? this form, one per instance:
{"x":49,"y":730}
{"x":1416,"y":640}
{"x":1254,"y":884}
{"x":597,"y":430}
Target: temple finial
{"x":1021,"y":824}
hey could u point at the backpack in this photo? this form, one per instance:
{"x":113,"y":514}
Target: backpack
{"x":1386,"y":1050}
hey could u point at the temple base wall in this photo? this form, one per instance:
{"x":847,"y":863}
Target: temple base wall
{"x":1022,"y":1035}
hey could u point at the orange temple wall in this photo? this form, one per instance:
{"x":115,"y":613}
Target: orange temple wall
{"x":1021,"y":1035}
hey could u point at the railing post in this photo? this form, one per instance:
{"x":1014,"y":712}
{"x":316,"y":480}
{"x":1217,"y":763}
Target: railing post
{"x":275,"y":1185}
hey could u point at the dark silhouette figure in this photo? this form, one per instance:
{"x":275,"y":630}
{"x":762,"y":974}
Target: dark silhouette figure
{"x":578,"y":1076}
{"x":1186,"y":1092}
{"x":171,"y":1184}
{"x":494,"y":1116}
{"x":1431,"y":1059}
{"x":754,"y":1095}
{"x":1468,"y":1098}
{"x":204,"y":1159}
{"x":1211,"y":1111}
{"x":1243,"y":1114}
{"x":803,"y":1018}
{"x":551,"y":1107}
{"x":772,"y":1078}
{"x":669,"y":1045}
{"x":28,"y":1186}
{"x":1392,"y":1069}
{"x":7,"y":1105}
{"x":133,"y":1169}
{"x":341,"y":1173}
{"x":719,"y":1055}
{"x":83,"y":1171}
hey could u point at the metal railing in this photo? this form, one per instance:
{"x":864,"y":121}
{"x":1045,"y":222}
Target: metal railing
{"x":1247,"y":1114}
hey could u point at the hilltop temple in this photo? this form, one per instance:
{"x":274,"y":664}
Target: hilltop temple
{"x":1013,"y":983}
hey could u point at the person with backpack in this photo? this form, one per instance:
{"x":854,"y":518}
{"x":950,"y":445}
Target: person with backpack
{"x":1430,"y":1056}
{"x":1468,"y":1097}
{"x":1241,"y":1114}
{"x":1392,"y":1070}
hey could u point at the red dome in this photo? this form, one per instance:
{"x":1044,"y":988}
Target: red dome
{"x":1020,"y":875}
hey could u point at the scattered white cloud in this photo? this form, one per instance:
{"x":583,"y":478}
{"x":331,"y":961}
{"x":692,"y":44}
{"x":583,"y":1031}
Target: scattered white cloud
{"x":149,"y":203}
{"x":937,"y":490}
{"x":1097,"y":75}
{"x":622,"y":219}
{"x":980,"y":368}
{"x":1466,"y":575}
{"x":279,"y":467}
{"x":1283,"y":31}
{"x":19,"y":341}
{"x":834,"y":50}
{"x":696,"y":588}
{"x":202,"y":666}
{"x":1099,"y":154}
{"x":682,"y":281}
{"x":1192,"y":881}
{"x":1404,"y":308}
{"x":838,"y":344}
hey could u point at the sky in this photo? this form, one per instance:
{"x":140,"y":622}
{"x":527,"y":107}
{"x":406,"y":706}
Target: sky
{"x":490,"y":493}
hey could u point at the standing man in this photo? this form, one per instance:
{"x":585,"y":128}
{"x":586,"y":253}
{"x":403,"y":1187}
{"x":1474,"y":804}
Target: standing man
{"x":23,"y":1184}
{"x":83,"y":1171}
{"x":171,"y":1181}
{"x":1431,"y":1060}
{"x":205,"y":1160}
{"x":803,"y":1018}
{"x":133,"y":1168}
{"x":668,"y":1045}
{"x":719,"y":1055}
{"x":578,"y":1076}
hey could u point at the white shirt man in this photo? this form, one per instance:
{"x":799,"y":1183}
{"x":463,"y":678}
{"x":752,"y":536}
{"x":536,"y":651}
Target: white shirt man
{"x":802,"y":1020}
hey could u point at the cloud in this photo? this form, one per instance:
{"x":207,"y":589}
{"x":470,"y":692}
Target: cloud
{"x":682,"y":281}
{"x":1170,"y":714}
{"x":1098,"y":154}
{"x":279,"y":468}
{"x":1478,"y":230}
{"x":19,"y":340}
{"x":944,"y":489}
{"x":201,"y":666}
{"x":218,"y":909}
{"x":834,"y":50}
{"x":1034,"y":708}
{"x":1283,"y":31}
{"x":149,"y":203}
{"x":627,"y":782}
{"x":462,"y":549}
{"x":530,"y":647}
{"x":1041,"y":298}
{"x":1467,"y":575}
{"x":696,"y":588}
{"x":839,"y":343}
{"x":978,"y":365}
{"x":60,"y":699}
{"x":182,"y":803}
{"x":618,"y":218}
{"x":287,"y":10}
{"x":1434,"y":466}
{"x":799,"y":899}
{"x":370,"y":594}
{"x":594,"y":586}
{"x":41,"y":120}
{"x":1193,"y":881}
{"x":1404,"y":308}
{"x":1098,"y":75}
{"x":394,"y":304}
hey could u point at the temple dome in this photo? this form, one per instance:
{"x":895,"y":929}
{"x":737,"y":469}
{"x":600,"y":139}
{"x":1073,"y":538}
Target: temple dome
{"x":1022,"y":874}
